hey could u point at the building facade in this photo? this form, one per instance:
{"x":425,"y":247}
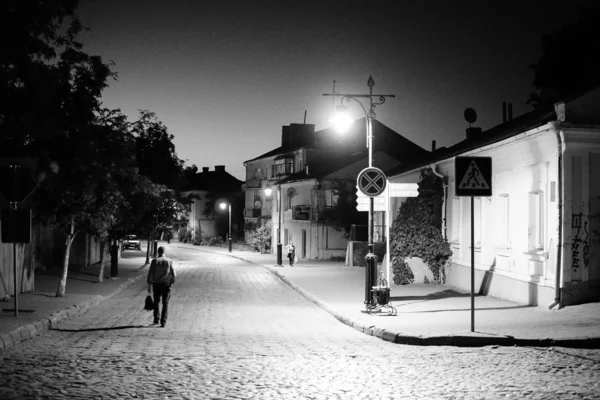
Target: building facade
{"x":307,"y":174}
{"x":537,"y":238}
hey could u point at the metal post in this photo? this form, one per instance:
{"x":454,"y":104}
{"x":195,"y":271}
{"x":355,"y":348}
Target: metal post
{"x":371,"y":259}
{"x":472,"y":265}
{"x":15,"y":206}
{"x":230,"y":228}
{"x":279,"y":246}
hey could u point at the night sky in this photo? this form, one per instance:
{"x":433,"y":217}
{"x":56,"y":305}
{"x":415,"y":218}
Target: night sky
{"x":224,"y":76}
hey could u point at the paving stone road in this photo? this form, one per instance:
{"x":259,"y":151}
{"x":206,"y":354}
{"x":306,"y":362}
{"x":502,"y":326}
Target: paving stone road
{"x":235,"y":331}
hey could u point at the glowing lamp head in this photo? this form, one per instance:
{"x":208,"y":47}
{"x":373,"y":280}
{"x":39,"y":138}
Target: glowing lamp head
{"x":268,"y":191}
{"x":223,"y":206}
{"x":341,"y":119}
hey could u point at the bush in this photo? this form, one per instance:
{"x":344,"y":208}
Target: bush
{"x":259,"y":236}
{"x":184,"y":234}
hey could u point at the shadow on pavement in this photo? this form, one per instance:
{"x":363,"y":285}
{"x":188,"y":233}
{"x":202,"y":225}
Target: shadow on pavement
{"x":461,"y":309}
{"x":110,"y":328}
{"x":445,"y":294}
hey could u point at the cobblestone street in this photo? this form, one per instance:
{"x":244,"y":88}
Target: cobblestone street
{"x":235,"y":331}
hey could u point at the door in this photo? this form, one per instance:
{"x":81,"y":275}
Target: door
{"x":303,"y":243}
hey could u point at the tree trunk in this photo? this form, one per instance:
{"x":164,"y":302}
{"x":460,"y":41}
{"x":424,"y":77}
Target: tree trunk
{"x":62,"y":287}
{"x":148,"y":250}
{"x":103,"y":257}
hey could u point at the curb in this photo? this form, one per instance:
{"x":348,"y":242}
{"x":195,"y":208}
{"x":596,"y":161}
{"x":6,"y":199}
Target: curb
{"x":33,"y":329}
{"x":456,"y":340}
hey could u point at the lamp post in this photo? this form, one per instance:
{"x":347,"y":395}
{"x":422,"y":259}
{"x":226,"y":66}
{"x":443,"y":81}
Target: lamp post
{"x":268,"y":192}
{"x":342,"y":121}
{"x":223,"y":206}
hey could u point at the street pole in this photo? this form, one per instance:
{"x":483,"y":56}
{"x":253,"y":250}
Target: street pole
{"x":371,"y":258}
{"x":230,"y":228}
{"x":279,"y":249}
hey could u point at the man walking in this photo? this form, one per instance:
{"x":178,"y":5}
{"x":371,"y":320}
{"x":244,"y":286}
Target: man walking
{"x":161,"y":276}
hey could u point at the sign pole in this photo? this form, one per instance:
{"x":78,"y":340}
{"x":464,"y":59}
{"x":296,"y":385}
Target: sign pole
{"x":15,"y":205}
{"x":472,"y":264}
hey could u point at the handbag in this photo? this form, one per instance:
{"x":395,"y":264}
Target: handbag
{"x":149,"y":306}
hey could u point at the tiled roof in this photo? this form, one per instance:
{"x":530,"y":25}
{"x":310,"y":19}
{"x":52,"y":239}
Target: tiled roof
{"x":506,"y":130}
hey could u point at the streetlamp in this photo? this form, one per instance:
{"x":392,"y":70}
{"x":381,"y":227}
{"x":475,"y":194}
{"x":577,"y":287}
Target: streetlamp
{"x":342,"y":121}
{"x":268,"y":192}
{"x":223,"y":206}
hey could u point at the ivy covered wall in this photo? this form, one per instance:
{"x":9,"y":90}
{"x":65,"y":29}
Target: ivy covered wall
{"x":417,"y":231}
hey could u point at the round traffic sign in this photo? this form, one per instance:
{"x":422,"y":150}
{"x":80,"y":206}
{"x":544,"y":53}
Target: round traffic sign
{"x":371,"y":181}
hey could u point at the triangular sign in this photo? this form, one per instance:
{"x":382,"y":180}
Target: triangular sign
{"x":473,"y":178}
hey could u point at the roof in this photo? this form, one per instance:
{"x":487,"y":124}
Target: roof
{"x":498,"y":133}
{"x":214,"y":181}
{"x":353,"y":141}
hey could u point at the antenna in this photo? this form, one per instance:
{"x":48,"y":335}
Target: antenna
{"x":333,"y":97}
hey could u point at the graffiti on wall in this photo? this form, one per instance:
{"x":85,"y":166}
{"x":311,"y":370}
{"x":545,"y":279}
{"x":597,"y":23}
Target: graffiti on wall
{"x":580,"y":250}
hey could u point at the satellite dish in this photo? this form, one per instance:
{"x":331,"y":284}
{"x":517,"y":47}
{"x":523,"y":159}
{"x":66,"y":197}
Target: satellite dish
{"x":470,"y":115}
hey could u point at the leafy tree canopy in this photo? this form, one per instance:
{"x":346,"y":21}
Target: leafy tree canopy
{"x":569,"y":64}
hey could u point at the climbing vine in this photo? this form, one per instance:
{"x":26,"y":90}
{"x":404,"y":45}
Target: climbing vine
{"x":416,"y":232}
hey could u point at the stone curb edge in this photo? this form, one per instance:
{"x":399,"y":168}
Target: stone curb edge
{"x":450,"y":340}
{"x":15,"y":336}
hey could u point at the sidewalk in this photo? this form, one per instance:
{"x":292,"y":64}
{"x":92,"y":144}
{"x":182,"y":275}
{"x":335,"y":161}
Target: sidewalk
{"x":40,"y":309}
{"x":426,"y":314}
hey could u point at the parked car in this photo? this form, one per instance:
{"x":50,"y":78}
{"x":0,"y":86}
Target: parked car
{"x":132,"y":242}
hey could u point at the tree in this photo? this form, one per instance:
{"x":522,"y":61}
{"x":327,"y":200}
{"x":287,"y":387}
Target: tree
{"x":568,"y":64}
{"x":53,"y":89}
{"x":345,"y":214}
{"x":155,"y":151}
{"x":259,"y":235}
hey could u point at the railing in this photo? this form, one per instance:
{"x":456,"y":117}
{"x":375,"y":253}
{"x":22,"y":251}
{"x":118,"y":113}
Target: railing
{"x":282,"y":169}
{"x":301,"y":213}
{"x":252,"y":212}
{"x":253,"y":183}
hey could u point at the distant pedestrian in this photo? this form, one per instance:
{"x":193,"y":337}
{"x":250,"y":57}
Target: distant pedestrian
{"x":291,"y":254}
{"x":161,"y":277}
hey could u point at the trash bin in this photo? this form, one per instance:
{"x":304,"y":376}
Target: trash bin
{"x":370,"y":276}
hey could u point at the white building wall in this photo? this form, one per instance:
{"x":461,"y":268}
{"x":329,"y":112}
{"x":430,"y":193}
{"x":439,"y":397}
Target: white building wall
{"x":507,"y":262}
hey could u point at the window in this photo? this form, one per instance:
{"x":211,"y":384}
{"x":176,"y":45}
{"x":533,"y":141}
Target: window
{"x":455,"y":220}
{"x":536,"y":220}
{"x":331,"y":198}
{"x":503,"y":225}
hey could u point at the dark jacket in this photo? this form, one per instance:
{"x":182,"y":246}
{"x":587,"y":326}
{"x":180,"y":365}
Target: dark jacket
{"x":161,"y":271}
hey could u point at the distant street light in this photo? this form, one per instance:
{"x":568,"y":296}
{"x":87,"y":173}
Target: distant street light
{"x":268,"y":193}
{"x":224,"y":206}
{"x":342,"y":121}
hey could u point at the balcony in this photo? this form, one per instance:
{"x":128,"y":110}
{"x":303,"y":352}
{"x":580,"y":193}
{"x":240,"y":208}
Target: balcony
{"x":281,"y":170}
{"x":252,"y":212}
{"x":301,"y":213}
{"x":253,"y":184}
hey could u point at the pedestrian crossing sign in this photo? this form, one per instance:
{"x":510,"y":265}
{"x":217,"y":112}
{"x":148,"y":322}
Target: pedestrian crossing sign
{"x":473,"y":176}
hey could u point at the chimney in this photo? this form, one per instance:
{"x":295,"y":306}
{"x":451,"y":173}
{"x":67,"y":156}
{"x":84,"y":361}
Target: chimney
{"x":219,"y":168}
{"x":433,"y":145}
{"x":503,"y":112}
{"x":285,"y":137}
{"x":204,"y":169}
{"x":473,"y":132}
{"x":301,"y":135}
